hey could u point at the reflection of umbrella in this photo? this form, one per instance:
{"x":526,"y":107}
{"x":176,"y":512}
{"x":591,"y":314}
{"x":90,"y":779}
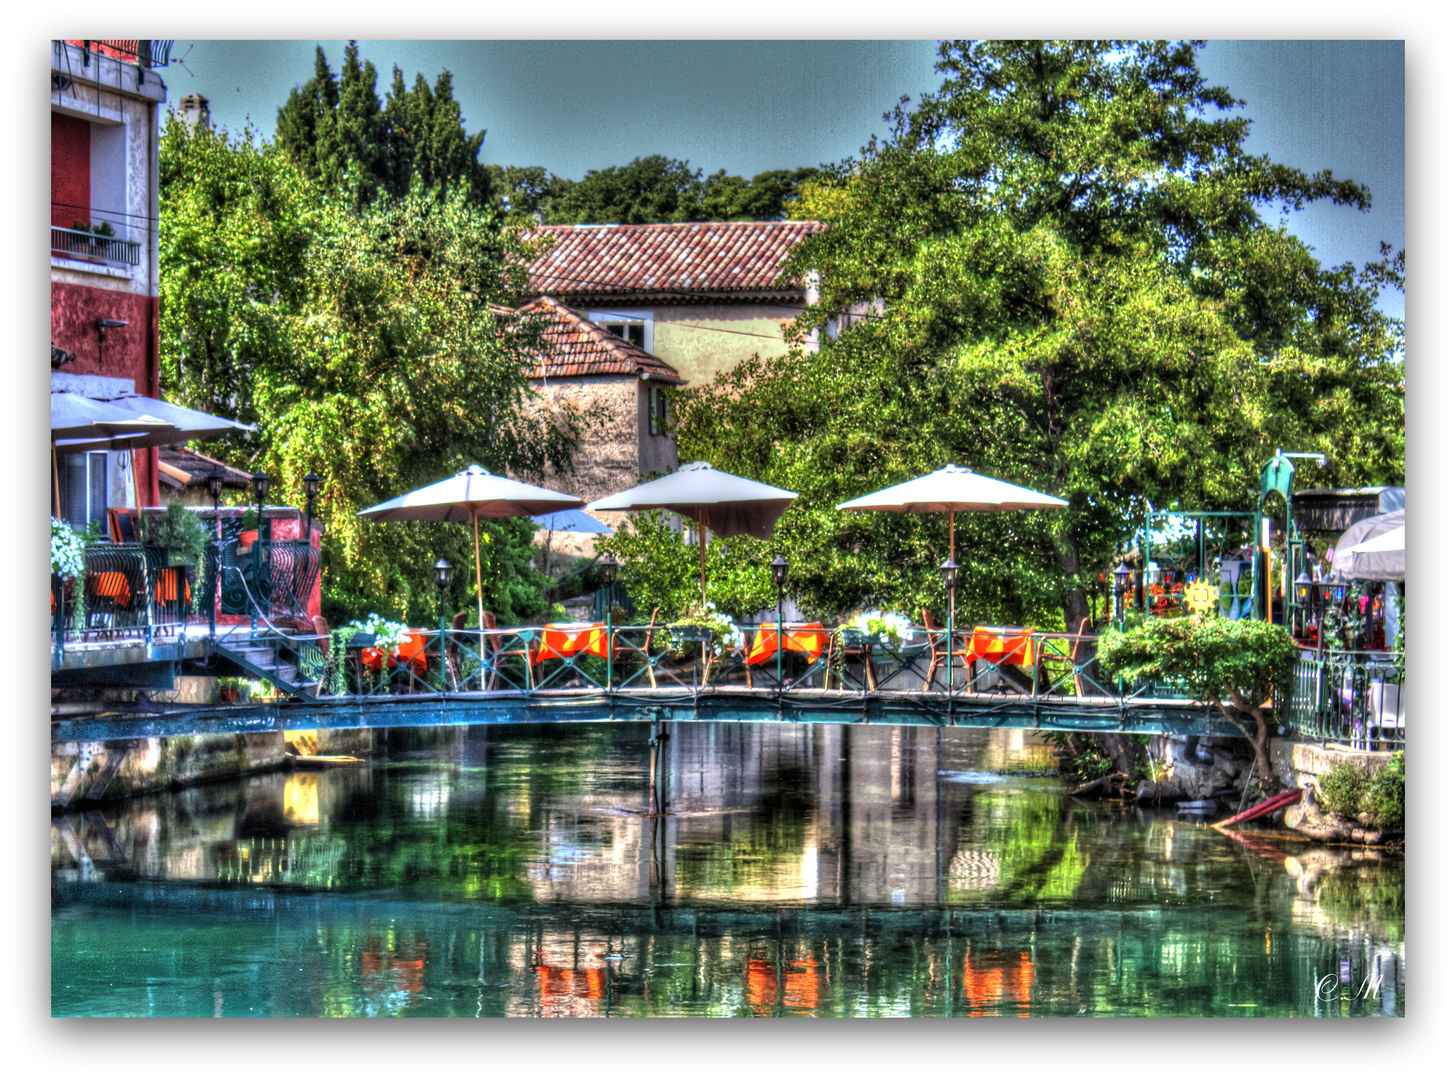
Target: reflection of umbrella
{"x":470,"y":495}
{"x":950,"y":489}
{"x":727,"y":504}
{"x":1372,"y":549}
{"x":568,"y":521}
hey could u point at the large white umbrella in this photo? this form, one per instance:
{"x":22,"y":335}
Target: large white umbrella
{"x":1372,"y":549}
{"x":192,"y":423}
{"x":728,"y":505}
{"x":79,"y":423}
{"x":470,"y":495}
{"x":950,"y":489}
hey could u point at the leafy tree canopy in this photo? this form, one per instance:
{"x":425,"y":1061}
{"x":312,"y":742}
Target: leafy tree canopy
{"x":1069,"y":287}
{"x":659,"y":189}
{"x":366,"y":343}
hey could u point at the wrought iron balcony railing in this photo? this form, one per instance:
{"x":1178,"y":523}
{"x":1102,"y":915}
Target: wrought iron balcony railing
{"x":127,"y":593}
{"x":1354,"y":699}
{"x":95,"y":247}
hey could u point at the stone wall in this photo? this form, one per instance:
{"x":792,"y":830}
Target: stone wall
{"x":1300,"y":763}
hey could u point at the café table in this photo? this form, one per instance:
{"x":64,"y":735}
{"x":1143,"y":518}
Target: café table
{"x":997,"y":645}
{"x":809,"y":639}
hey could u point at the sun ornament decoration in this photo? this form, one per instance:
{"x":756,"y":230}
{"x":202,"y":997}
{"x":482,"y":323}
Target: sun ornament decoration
{"x":1200,"y":596}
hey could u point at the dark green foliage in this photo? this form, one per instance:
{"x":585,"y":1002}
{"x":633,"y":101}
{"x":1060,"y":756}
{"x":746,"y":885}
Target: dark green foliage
{"x":1075,"y":292}
{"x":659,"y":189}
{"x":365,"y":342}
{"x":180,"y":532}
{"x":1349,"y":790}
{"x":660,"y":571}
{"x":338,"y":132}
{"x":1219,"y":660}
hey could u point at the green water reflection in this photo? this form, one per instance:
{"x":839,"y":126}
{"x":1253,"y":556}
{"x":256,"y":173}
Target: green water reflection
{"x":830,"y":871}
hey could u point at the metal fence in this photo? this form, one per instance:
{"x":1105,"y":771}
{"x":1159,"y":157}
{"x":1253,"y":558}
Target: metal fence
{"x":95,"y":247}
{"x":128,"y":592}
{"x":1024,"y":666}
{"x":1350,"y":698}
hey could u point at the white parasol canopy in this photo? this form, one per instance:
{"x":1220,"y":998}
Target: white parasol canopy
{"x":950,"y":489}
{"x":728,"y":505}
{"x":470,"y":495}
{"x":1372,"y":549}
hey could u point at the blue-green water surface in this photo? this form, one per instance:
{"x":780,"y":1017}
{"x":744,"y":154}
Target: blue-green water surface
{"x":829,"y":871}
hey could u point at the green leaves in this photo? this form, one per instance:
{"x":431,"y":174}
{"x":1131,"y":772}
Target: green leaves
{"x":366,"y":343}
{"x":1219,"y":659}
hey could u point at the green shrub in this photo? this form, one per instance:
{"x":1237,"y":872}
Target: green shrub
{"x":180,"y":532}
{"x":1350,"y":790}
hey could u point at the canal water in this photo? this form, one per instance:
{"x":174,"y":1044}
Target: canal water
{"x":796,"y":871}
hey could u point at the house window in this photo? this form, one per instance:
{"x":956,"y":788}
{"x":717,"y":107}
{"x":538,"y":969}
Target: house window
{"x":633,"y":326}
{"x":657,"y":410}
{"x":83,"y":488}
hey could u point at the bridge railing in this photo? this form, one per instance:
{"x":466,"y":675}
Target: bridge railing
{"x":970,"y":664}
{"x":127,"y":593}
{"x":1350,"y":698}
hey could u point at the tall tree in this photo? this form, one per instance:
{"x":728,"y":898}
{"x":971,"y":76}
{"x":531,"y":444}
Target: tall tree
{"x":1074,"y":291}
{"x":659,"y":189}
{"x":366,"y":345}
{"x":333,"y":128}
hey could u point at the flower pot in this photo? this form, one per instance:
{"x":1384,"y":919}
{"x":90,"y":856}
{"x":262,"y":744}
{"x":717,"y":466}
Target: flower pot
{"x":246,"y":539}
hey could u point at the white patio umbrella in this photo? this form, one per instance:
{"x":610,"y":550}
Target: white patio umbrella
{"x":950,"y":489}
{"x":1372,"y":549}
{"x":192,"y":423}
{"x":727,"y":504}
{"x":470,"y":495}
{"x":573,"y":521}
{"x":79,"y":423}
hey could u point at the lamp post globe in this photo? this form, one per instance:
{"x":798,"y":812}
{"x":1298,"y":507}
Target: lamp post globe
{"x":609,"y":567}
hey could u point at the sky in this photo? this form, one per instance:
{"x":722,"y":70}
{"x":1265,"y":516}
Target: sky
{"x":748,"y":106}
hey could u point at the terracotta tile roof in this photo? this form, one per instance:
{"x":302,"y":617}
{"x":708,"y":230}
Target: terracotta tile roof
{"x":183,"y":468}
{"x":735,"y":260}
{"x":579,"y":346}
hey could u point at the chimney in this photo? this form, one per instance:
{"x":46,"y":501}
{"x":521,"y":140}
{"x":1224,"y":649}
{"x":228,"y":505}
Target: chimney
{"x":194,"y":110}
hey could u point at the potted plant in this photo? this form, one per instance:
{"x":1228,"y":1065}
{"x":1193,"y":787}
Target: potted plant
{"x":878,"y":629}
{"x":249,"y":534}
{"x":705,"y":624}
{"x":68,"y":565}
{"x":179,"y":533}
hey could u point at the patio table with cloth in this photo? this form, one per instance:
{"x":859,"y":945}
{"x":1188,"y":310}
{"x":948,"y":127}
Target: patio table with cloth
{"x":560,"y":641}
{"x":408,"y":653}
{"x":1001,"y":644}
{"x":807,"y":638}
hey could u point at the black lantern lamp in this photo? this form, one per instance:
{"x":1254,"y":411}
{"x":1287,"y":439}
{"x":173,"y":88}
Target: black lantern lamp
{"x":1303,"y":586}
{"x":442,"y":582}
{"x":311,"y":484}
{"x":779,"y":570}
{"x":260,"y":492}
{"x":609,"y":567}
{"x":214,"y":489}
{"x":1122,"y":578}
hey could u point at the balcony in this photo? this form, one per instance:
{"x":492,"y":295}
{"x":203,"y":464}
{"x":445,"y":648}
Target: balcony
{"x":95,"y":248}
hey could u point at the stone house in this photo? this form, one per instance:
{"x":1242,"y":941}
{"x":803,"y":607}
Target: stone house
{"x":698,"y":296}
{"x":589,"y":366}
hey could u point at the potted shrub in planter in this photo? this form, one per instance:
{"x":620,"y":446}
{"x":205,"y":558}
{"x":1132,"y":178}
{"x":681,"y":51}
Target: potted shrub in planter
{"x":180,"y":533}
{"x":249,"y":535}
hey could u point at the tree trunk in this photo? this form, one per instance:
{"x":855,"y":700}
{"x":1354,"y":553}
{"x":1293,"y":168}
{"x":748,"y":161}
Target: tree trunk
{"x":1258,"y":738}
{"x":1074,"y":606}
{"x":1127,"y":754}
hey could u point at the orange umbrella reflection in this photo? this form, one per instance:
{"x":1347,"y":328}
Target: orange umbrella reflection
{"x":997,"y":978}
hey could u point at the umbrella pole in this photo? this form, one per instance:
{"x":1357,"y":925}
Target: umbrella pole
{"x":703,"y":554}
{"x":952,"y":536}
{"x":56,"y":477}
{"x":479,"y":597}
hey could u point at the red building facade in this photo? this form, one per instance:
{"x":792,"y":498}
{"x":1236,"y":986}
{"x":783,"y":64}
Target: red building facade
{"x":105,"y":113}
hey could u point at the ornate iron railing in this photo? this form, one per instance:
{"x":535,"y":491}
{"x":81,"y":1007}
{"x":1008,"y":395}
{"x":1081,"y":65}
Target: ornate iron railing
{"x":1027,"y":667}
{"x":276,"y":584}
{"x":128,"y":592}
{"x":95,"y":247}
{"x":1354,"y":699}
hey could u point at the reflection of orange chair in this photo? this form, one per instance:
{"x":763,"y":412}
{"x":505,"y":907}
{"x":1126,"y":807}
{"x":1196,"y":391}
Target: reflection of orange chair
{"x":938,"y":652}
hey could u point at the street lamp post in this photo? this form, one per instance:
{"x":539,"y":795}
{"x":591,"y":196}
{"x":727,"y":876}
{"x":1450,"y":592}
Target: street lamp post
{"x":442,"y":582}
{"x":1122,"y":581}
{"x":260,"y":491}
{"x":609,"y":575}
{"x":779,"y":568}
{"x":310,"y":493}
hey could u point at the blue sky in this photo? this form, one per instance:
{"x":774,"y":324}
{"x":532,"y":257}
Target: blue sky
{"x":747,"y":106}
